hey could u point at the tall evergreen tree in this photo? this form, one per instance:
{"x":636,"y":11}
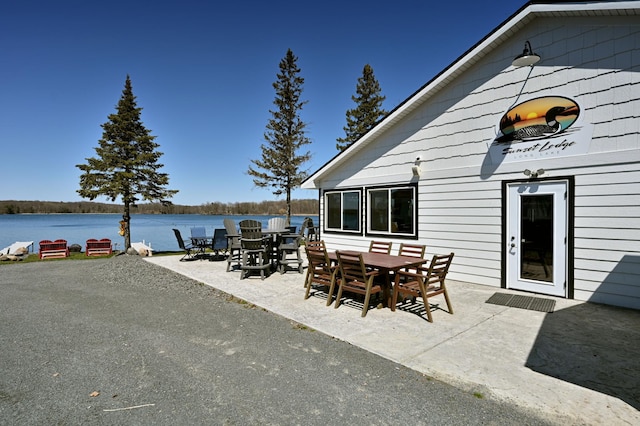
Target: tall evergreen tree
{"x":126,"y":165}
{"x":280,"y":165}
{"x":368,"y":110}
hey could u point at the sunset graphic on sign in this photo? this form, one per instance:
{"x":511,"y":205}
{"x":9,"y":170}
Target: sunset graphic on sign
{"x":538,"y":118}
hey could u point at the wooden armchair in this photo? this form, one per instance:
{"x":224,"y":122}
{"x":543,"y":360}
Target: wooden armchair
{"x":427,"y":282}
{"x":355,"y":278}
{"x":320,"y":271}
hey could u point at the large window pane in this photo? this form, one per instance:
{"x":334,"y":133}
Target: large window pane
{"x":402,"y":211}
{"x":334,"y":210}
{"x":379,"y":210}
{"x":351,"y":214}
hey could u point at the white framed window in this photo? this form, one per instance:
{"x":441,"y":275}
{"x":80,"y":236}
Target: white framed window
{"x":343,"y":211}
{"x":392,"y":211}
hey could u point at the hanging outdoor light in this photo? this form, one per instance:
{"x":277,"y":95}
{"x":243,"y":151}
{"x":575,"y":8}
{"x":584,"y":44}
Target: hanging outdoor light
{"x":527,"y":57}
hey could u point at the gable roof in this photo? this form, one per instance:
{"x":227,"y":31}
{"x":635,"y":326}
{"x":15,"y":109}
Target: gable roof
{"x":500,"y":34}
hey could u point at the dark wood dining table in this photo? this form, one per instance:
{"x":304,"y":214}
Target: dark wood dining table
{"x":385,"y":264}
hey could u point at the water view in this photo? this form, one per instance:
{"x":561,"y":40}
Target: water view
{"x":155,"y":230}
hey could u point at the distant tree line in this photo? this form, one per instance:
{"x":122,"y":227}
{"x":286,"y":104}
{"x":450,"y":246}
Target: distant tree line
{"x":278,"y":207}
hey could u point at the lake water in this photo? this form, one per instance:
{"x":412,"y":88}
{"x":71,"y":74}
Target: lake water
{"x":78,"y":228}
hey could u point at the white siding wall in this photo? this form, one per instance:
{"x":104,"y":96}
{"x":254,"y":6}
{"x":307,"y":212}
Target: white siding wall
{"x":593,"y":60}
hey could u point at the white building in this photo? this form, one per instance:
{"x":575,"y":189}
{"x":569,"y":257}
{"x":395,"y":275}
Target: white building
{"x":470,"y":164}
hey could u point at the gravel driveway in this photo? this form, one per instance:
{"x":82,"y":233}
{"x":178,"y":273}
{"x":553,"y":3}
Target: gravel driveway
{"x":122,"y":341}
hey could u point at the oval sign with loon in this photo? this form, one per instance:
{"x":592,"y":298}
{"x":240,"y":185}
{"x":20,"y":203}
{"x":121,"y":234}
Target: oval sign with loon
{"x":538,"y":118}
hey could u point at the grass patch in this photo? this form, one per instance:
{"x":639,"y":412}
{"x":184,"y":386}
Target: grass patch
{"x":299,"y":326}
{"x":33,"y":257}
{"x":478,"y":395}
{"x":239,"y":301}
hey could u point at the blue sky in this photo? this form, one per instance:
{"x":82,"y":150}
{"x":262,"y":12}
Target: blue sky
{"x":203,"y":71}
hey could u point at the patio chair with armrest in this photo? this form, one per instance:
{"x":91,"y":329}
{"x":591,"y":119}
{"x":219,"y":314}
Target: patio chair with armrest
{"x":355,"y":278}
{"x":289,"y":252}
{"x":427,"y":282}
{"x":184,"y":245}
{"x":233,"y":243}
{"x":320,"y":272}
{"x":255,"y":249}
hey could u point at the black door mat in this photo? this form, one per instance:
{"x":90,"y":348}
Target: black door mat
{"x":523,"y":302}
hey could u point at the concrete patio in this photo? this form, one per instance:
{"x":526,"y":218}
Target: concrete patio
{"x":582,"y":361}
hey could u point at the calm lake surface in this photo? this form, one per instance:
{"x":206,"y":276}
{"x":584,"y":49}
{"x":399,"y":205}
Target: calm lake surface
{"x":154,"y":229}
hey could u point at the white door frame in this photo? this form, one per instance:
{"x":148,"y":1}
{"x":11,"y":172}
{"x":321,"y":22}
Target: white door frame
{"x":553,"y":276}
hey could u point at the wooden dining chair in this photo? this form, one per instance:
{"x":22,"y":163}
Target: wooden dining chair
{"x":427,"y":282}
{"x":380,"y":247}
{"x":355,"y":278}
{"x":320,"y":272}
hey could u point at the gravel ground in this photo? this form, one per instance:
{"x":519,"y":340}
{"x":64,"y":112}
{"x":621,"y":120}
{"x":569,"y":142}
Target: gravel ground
{"x":121,"y":341}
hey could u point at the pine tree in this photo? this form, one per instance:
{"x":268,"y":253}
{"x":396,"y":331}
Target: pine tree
{"x":280,"y":165}
{"x":126,"y":165}
{"x":368,"y":110}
